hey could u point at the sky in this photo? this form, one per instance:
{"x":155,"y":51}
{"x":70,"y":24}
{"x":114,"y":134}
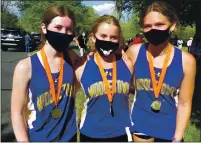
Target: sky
{"x":105,"y":7}
{"x":101,"y":7}
{"x":13,"y":9}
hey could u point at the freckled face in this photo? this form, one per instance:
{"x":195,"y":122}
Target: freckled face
{"x":61,"y":25}
{"x":108,"y":32}
{"x":156,"y":20}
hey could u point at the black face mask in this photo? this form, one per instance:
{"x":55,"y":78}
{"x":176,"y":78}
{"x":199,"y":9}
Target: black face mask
{"x":157,"y":37}
{"x":59,"y":41}
{"x":106,"y":48}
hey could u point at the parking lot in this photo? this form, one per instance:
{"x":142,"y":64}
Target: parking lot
{"x":9,"y":59}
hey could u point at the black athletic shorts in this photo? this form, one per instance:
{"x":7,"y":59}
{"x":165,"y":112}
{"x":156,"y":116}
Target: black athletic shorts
{"x":123,"y":138}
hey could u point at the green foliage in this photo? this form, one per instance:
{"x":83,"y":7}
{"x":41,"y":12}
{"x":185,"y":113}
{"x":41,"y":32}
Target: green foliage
{"x":131,"y":27}
{"x":32,"y":13}
{"x":185,"y":32}
{"x":31,"y":17}
{"x":188,"y":10}
{"x":85,"y":19}
{"x":192,"y":133}
{"x":5,"y":4}
{"x":8,"y":20}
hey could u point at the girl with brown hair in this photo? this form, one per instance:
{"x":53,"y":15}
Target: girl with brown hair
{"x":105,"y":79}
{"x":160,"y":69}
{"x":43,"y":84}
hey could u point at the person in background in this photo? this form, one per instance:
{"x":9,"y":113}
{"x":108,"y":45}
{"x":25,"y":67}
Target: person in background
{"x":82,"y":44}
{"x":160,"y":69}
{"x":43,"y":84}
{"x":27,"y":43}
{"x":75,"y":46}
{"x":138,"y":39}
{"x":189,"y":43}
{"x":179,"y":43}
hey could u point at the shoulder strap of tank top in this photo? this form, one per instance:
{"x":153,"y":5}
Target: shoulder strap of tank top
{"x":142,"y":53}
{"x":177,"y":59}
{"x":34,"y":59}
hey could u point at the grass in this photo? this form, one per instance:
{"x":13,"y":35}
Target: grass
{"x":33,"y":52}
{"x":193,"y":130}
{"x":185,"y":48}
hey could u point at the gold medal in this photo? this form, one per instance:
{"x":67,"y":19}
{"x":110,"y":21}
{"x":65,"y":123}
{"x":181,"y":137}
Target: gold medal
{"x":156,"y":105}
{"x":56,"y":113}
{"x":55,"y":93}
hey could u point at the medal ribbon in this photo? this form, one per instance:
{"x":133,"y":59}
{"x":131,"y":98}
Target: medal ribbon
{"x":110,"y":93}
{"x":55,"y":95}
{"x":157,"y":88}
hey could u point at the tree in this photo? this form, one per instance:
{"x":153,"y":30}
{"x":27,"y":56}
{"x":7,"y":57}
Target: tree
{"x":8,"y":20}
{"x":131,"y":27}
{"x":5,"y":4}
{"x":185,"y":32}
{"x":32,"y":12}
{"x":189,"y":11}
{"x":85,"y":20}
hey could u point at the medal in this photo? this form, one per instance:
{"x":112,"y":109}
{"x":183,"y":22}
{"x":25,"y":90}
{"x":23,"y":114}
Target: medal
{"x":156,"y":105}
{"x":56,"y":113}
{"x":111,"y":110}
{"x":109,"y":93}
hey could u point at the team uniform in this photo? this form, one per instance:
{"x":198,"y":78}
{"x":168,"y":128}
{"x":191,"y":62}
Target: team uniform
{"x":160,"y":124}
{"x":41,"y":125}
{"x":97,"y":123}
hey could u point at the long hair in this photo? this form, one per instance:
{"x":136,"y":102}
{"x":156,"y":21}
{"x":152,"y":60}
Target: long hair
{"x":104,"y":19}
{"x":49,"y":14}
{"x":52,"y":12}
{"x":162,"y":7}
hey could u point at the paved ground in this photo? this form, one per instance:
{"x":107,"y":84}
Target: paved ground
{"x":9,"y":60}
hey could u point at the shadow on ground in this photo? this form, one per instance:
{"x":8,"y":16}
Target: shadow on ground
{"x":7,"y":137}
{"x":196,"y":108}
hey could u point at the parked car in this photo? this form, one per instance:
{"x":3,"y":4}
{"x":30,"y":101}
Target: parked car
{"x":35,"y":38}
{"x":12,"y":38}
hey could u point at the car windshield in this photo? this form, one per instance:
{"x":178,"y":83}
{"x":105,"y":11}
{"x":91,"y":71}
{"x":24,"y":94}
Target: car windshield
{"x":12,"y":32}
{"x":16,"y":33}
{"x":36,"y":34}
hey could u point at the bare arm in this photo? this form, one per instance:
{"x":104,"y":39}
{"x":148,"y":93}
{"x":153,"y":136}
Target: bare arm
{"x":132,"y":52}
{"x":79,"y":68}
{"x":73,"y":56}
{"x":78,"y":62}
{"x":185,"y":95}
{"x":21,"y":79}
{"x":129,"y":64}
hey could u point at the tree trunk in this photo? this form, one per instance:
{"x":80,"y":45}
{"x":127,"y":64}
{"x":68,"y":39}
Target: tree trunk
{"x":198,"y":21}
